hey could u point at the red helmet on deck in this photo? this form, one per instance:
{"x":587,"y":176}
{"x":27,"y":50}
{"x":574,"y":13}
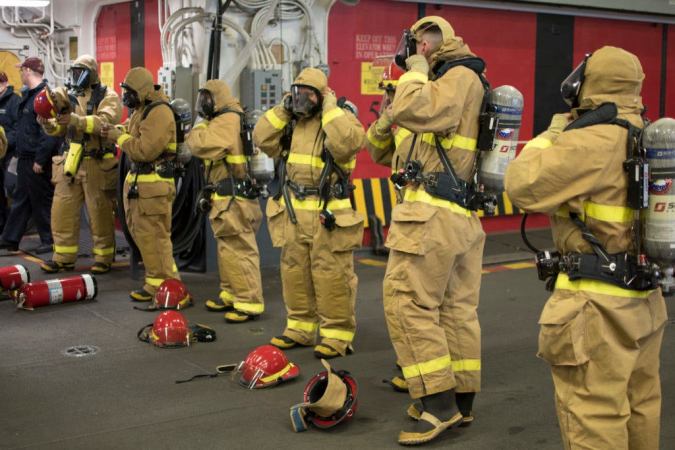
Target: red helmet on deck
{"x":266,"y":366}
{"x":44,"y":104}
{"x":172,"y":294}
{"x":170,"y":329}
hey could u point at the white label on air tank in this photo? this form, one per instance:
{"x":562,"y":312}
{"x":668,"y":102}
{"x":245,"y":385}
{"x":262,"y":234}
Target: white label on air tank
{"x":55,"y":292}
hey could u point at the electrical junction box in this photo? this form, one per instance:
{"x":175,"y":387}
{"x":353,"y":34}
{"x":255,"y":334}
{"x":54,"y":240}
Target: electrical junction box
{"x":166,"y":78}
{"x":260,"y":89}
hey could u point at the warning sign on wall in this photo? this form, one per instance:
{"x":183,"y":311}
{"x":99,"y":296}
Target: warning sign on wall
{"x":370,"y":77}
{"x":108,"y":74}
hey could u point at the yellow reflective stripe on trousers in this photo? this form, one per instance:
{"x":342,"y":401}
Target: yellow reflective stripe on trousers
{"x":434,"y":365}
{"x":378,"y":142}
{"x":154,"y":281}
{"x":302,"y":326}
{"x":89,"y":124}
{"x":104,"y":251}
{"x":401,"y":134}
{"x":412,"y":76}
{"x":420,"y":195}
{"x":538,"y":142}
{"x":466,"y":365}
{"x":597,"y":211}
{"x":236,"y":159}
{"x":146,"y":178}
{"x":328,"y":117}
{"x":250,"y":308}
{"x":316,"y":161}
{"x":224,"y":295}
{"x":340,"y":335}
{"x":597,"y":287}
{"x":123,"y":138}
{"x":63,"y":249}
{"x":317,"y":205}
{"x":275,"y":120}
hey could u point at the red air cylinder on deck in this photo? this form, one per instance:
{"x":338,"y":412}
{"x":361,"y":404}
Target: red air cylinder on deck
{"x":13,"y":277}
{"x":52,"y":292}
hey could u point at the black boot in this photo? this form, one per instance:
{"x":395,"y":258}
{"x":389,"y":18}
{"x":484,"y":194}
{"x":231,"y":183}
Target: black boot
{"x":465,"y":404}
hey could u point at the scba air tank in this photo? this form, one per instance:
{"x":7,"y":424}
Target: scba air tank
{"x":506,"y":103}
{"x":659,"y":233}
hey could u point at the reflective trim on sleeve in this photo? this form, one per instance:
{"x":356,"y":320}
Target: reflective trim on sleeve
{"x":203,"y":124}
{"x":426,"y":367}
{"x":378,"y":142}
{"x":274,"y":120}
{"x":123,"y":138}
{"x":538,"y":142}
{"x":66,"y":249}
{"x":331,"y":115}
{"x":109,"y":155}
{"x":249,"y":308}
{"x":412,"y":76}
{"x":103,"y":251}
{"x":154,"y":281}
{"x":420,"y":195}
{"x":89,"y":124}
{"x":301,"y":325}
{"x":236,"y":159}
{"x":597,"y":287}
{"x":340,"y":335}
{"x":401,"y":134}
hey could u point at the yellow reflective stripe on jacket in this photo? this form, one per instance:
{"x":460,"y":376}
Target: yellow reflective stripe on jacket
{"x":236,"y":159}
{"x":250,"y":308}
{"x":331,"y":115}
{"x":426,"y":367}
{"x":597,"y":211}
{"x":224,"y":295}
{"x":154,"y":281}
{"x":341,"y":335}
{"x":65,"y":248}
{"x":462,"y":142}
{"x":216,"y":196}
{"x":276,"y":121}
{"x":597,"y":287}
{"x":413,"y":76}
{"x":420,"y":195}
{"x":171,"y":147}
{"x":310,"y":204}
{"x":104,"y":251}
{"x":279,"y":374}
{"x":123,"y":138}
{"x":316,"y":161}
{"x":146,"y":178}
{"x":301,"y":325}
{"x":377,"y":142}
{"x":401,"y":134}
{"x":202,"y":124}
{"x":89,"y":124}
{"x":538,"y":142}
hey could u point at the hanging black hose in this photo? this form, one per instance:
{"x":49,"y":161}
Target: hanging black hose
{"x":187,"y":227}
{"x":523,"y":235}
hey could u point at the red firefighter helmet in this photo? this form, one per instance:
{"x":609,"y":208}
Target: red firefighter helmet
{"x":266,"y":366}
{"x":387,"y":71}
{"x":170,"y":329}
{"x":172,"y":294}
{"x":44,"y":104}
{"x":315,"y":390}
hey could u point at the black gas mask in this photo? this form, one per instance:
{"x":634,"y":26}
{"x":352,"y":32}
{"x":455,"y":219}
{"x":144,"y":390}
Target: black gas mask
{"x":206,"y":105}
{"x":80,"y":79}
{"x":406,"y":48}
{"x":571,"y":86}
{"x":130,"y":97}
{"x":303,"y":104}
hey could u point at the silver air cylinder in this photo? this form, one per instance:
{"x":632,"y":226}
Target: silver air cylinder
{"x":507,"y":103}
{"x":659,"y":231}
{"x":262,"y":167}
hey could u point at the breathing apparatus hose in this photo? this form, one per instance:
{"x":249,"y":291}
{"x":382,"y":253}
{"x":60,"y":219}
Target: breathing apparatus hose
{"x":523,"y":235}
{"x":187,"y":226}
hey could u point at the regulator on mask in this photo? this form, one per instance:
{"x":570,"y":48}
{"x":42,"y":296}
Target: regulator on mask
{"x":130,"y":97}
{"x":302,"y":103}
{"x":206,"y":105}
{"x":406,"y":48}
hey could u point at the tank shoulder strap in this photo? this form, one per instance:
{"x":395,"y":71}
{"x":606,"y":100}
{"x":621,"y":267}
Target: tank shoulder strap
{"x":152,"y":106}
{"x":97,"y":95}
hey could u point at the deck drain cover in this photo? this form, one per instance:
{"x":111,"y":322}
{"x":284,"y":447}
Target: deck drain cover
{"x":79,"y":351}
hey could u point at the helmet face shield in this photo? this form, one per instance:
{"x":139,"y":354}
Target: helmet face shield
{"x":571,"y":86}
{"x":305,"y":100}
{"x":406,"y":48}
{"x":206,"y":106}
{"x":80,"y":78}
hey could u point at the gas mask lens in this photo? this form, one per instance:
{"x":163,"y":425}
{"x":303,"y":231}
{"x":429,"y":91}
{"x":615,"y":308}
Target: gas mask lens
{"x":205,"y":104}
{"x":406,"y":48}
{"x":79,"y":78}
{"x":130,"y":97}
{"x":571,"y":86}
{"x":304,"y":101}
